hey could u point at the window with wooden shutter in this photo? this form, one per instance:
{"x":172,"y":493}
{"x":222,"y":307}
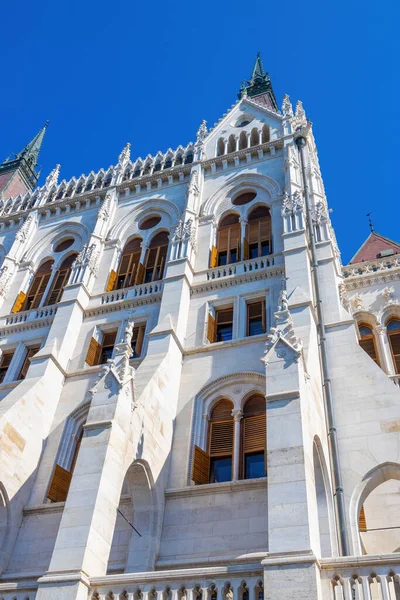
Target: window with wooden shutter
{"x":156,"y":257}
{"x":256,"y":318}
{"x":137,"y":340}
{"x":107,"y":346}
{"x":6,"y":359}
{"x":27,"y":361}
{"x":128,"y":264}
{"x":228,"y":240}
{"x":258,"y":232}
{"x":213,"y":257}
{"x":19,"y":302}
{"x":367,"y":341}
{"x":93,"y":353}
{"x":60,"y":281}
{"x":112,"y":281}
{"x":393,"y":330}
{"x":224,"y":324}
{"x":362,"y":523}
{"x":38,"y":286}
{"x":200,"y":466}
{"x":211,"y":329}
{"x":59,"y":485}
{"x":140,"y":274}
{"x":253,"y":438}
{"x":220,"y":442}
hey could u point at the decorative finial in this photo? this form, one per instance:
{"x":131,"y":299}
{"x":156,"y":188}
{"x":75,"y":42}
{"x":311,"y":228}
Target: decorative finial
{"x":202,"y":131}
{"x":371,"y":226}
{"x":287,"y":108}
{"x":52,"y":177}
{"x":125,"y":154}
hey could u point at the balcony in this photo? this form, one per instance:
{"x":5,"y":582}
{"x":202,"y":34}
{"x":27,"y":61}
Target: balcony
{"x":27,"y":316}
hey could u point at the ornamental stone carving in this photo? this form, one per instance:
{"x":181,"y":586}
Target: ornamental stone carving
{"x":23,"y":231}
{"x":287,"y":108}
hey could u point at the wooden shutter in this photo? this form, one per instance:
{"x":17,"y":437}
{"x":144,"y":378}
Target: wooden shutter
{"x":42,"y":284}
{"x":368,"y":346}
{"x":59,"y":485}
{"x":223,"y":239}
{"x":213,"y":257}
{"x":211,"y":329}
{"x":19,"y":302}
{"x":25,"y":366}
{"x":201,"y":466}
{"x":221,"y":438}
{"x":395,"y":348}
{"x":362,"y":523}
{"x":140,"y":274}
{"x":112,"y":278}
{"x":93,"y":353}
{"x":137,"y":339}
{"x":246,"y":250}
{"x":254,"y":433}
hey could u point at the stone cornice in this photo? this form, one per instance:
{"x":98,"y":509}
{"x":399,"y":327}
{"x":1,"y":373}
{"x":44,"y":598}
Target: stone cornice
{"x":217,"y":488}
{"x":124,"y":305}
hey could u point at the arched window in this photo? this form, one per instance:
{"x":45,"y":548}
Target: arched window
{"x":254,"y":137}
{"x":254,"y":425}
{"x":258,"y":234}
{"x":228,"y":241}
{"x":157,"y":167}
{"x":156,"y":257}
{"x":178,"y":160}
{"x":107,"y":181}
{"x":220,"y":442}
{"x":393,"y":329}
{"x":265,"y":134}
{"x":88,"y":186}
{"x":367,"y":341}
{"x":168,"y":164}
{"x":129,"y":271}
{"x":220,"y":147}
{"x":189,"y":158}
{"x":60,"y":280}
{"x":231,"y":143}
{"x":242,"y":140}
{"x":36,"y":290}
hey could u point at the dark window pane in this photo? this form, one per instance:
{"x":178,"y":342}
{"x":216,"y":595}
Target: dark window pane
{"x":106,"y":353}
{"x":233,"y":256}
{"x":224,"y":332}
{"x":253,"y":251}
{"x":221,"y":470}
{"x":149,"y":276}
{"x":222,"y":257}
{"x":256,"y":326}
{"x":265,"y":249}
{"x":254,"y":465}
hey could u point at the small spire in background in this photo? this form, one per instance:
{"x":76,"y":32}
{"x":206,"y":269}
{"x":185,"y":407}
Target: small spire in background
{"x":371,"y":226}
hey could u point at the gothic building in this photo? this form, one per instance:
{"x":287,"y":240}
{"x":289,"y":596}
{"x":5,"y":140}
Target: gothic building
{"x":198,"y":401}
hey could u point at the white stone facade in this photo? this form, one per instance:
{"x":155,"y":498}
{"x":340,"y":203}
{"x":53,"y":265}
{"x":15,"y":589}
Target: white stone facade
{"x":273,"y":537}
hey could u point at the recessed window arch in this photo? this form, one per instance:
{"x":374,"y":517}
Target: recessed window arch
{"x":220,"y":441}
{"x":220,"y":147}
{"x":242,"y":140}
{"x":258,"y":241}
{"x":156,"y":257}
{"x":34,"y":295}
{"x":231,"y":143}
{"x":178,"y":160}
{"x":367,"y":341}
{"x":228,"y":240}
{"x":130,"y":271}
{"x":253,"y":437}
{"x":265,"y":134}
{"x":393,"y":330}
{"x":60,"y":280}
{"x":254,"y":137}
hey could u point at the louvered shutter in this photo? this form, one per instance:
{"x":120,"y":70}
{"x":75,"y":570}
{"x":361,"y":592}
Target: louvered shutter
{"x":254,"y":433}
{"x":137,"y":339}
{"x":235,"y":235}
{"x":369,"y":347}
{"x":265,"y":229}
{"x":24,"y":370}
{"x":43,"y":281}
{"x":201,"y":466}
{"x":19,"y":302}
{"x":246,"y":250}
{"x":221,"y":438}
{"x":93,"y":353}
{"x":59,"y":283}
{"x":151,"y":257}
{"x":213,"y":257}
{"x":6,"y":359}
{"x":59,"y":485}
{"x":211,"y":329}
{"x":395,"y":346}
{"x":362,"y":523}
{"x":223,"y":238}
{"x":112,"y":278}
{"x":140,"y":274}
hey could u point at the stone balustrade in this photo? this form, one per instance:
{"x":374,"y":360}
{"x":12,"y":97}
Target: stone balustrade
{"x":240,"y":268}
{"x":370,"y":577}
{"x":28,"y":315}
{"x":372,"y":266}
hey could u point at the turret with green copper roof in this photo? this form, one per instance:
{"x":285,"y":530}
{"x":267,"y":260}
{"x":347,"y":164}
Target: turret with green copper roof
{"x":259,"y":86}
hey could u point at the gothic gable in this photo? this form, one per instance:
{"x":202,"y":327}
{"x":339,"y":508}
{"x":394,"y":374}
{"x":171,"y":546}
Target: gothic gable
{"x":375,"y":246}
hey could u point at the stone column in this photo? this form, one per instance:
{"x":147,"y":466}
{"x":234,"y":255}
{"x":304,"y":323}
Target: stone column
{"x":384,"y":352}
{"x":243,"y":224}
{"x":237,"y":415}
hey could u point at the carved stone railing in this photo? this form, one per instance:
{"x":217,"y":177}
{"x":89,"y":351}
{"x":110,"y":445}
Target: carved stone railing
{"x":371,"y":267}
{"x":29,"y":315}
{"x":182,"y":584}
{"x":126,"y":294}
{"x":370,"y":577}
{"x":240,"y":268}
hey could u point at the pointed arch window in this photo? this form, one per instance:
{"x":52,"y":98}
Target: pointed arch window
{"x":178,"y":160}
{"x":367,"y":341}
{"x":60,"y":280}
{"x":257,"y":242}
{"x":393,"y":330}
{"x":156,"y":256}
{"x":253,"y":438}
{"x":231,"y":144}
{"x":33,"y":297}
{"x":228,"y":241}
{"x":242,"y":140}
{"x":130,"y":270}
{"x":220,"y":147}
{"x":265,"y":134}
{"x":215,"y":464}
{"x":254,"y":137}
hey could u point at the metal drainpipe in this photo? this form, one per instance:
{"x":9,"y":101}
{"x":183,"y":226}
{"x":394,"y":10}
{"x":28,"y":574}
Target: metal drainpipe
{"x":301,"y":142}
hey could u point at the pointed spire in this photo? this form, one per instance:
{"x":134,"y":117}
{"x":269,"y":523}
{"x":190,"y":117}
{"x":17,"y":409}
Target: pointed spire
{"x":31,"y":150}
{"x":259,"y":86}
{"x":202,"y":131}
{"x":52,"y":177}
{"x":125,"y":155}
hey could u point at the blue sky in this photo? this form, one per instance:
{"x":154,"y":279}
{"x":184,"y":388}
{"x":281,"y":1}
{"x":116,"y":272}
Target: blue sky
{"x":149,"y":72}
